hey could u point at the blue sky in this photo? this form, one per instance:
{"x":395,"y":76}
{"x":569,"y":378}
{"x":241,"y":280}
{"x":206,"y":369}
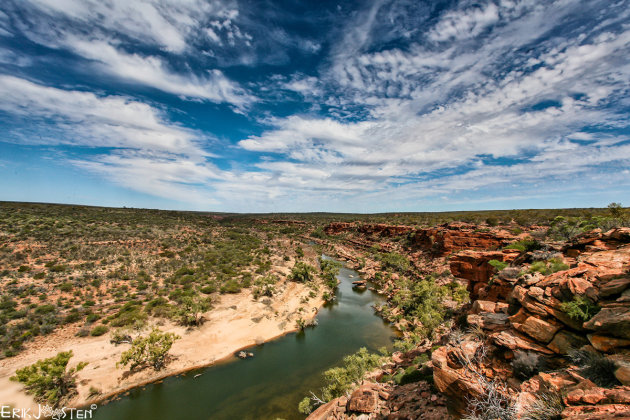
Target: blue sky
{"x":366,"y":106}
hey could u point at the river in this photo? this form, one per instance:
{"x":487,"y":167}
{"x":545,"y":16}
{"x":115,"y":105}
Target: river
{"x":271,"y":384}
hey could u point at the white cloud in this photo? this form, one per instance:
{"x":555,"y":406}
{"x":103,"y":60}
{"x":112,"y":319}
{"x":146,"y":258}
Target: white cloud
{"x":165,"y":23}
{"x":466,"y":23}
{"x":102,"y":31}
{"x":97,"y":121}
{"x":419,"y":131}
{"x":154,"y":72}
{"x":148,"y":153}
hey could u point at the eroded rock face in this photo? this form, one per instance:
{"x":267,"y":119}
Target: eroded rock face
{"x":451,"y":238}
{"x":520,"y":317}
{"x":452,"y":378}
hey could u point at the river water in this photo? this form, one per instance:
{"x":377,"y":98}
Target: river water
{"x":271,"y":384}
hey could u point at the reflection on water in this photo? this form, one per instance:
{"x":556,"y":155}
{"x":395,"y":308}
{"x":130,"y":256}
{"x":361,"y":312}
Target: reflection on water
{"x":271,"y":384}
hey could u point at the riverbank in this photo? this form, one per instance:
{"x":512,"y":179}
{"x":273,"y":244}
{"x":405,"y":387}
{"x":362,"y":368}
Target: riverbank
{"x":237,"y":321}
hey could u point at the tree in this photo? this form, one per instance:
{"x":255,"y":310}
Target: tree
{"x":301,"y":272}
{"x":330,"y":270}
{"x":48,"y":379}
{"x":616,"y":210}
{"x":190,"y":309}
{"x":151,"y":350}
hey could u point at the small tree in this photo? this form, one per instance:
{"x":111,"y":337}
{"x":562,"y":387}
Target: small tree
{"x":329,"y":271}
{"x":48,"y":379}
{"x":301,"y":272}
{"x":190,"y":309}
{"x":151,"y":350}
{"x":616,"y":210}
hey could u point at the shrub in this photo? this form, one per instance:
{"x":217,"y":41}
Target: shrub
{"x":580,"y":308}
{"x":595,"y":367}
{"x":552,"y":266}
{"x":92,"y":318}
{"x":98,"y":330}
{"x":394,"y":261}
{"x":546,"y":406}
{"x":525,"y":245}
{"x":230,"y":286}
{"x":422,"y":300}
{"x":130,"y":313}
{"x":83,"y":332}
{"x":410,"y":375}
{"x":189,"y":311}
{"x":498,"y":265}
{"x":299,"y":252}
{"x":302,"y":272}
{"x":526,"y":364}
{"x":49,"y":380}
{"x":616,"y":210}
{"x":151,"y":350}
{"x":329,"y":271}
{"x":208,"y":289}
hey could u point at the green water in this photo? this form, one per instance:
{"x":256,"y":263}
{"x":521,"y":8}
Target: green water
{"x":271,"y":384}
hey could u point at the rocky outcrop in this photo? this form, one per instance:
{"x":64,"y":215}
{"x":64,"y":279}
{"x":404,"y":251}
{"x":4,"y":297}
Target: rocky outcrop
{"x":447,"y":239}
{"x":380,"y":401}
{"x":517,"y":332}
{"x":336,"y":228}
{"x":380,"y":229}
{"x":525,"y":318}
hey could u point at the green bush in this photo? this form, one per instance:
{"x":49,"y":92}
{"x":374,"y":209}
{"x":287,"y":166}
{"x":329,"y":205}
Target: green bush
{"x":548,"y":267}
{"x":525,"y":245}
{"x":498,"y":265}
{"x":230,"y":286}
{"x":329,"y":271}
{"x":98,"y":330}
{"x":302,"y":272}
{"x":339,"y":380}
{"x":422,"y":300}
{"x":189,"y":310}
{"x":49,"y":380}
{"x":150,"y":351}
{"x":580,"y":308}
{"x":395,"y":261}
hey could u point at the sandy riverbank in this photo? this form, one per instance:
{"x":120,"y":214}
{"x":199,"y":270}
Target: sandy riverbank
{"x":235,"y":322}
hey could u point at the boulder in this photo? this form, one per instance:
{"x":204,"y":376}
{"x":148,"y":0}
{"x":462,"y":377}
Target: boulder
{"x":513,"y":341}
{"x":338,"y":227}
{"x":614,"y":286}
{"x":454,"y":381}
{"x":483,"y":306}
{"x":473,"y":265}
{"x":614,"y":321}
{"x":488,"y":320}
{"x":622,"y":373}
{"x":324,"y":412}
{"x":537,"y":328}
{"x":363,"y":400}
{"x":564,"y":341}
{"x":597,"y":412}
{"x":605,"y":343}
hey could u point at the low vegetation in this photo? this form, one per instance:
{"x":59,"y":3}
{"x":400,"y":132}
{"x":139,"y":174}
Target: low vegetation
{"x":49,"y":380}
{"x":580,"y":308}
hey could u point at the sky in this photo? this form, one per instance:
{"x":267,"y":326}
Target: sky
{"x":299,"y":106}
